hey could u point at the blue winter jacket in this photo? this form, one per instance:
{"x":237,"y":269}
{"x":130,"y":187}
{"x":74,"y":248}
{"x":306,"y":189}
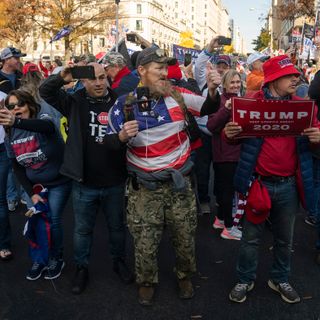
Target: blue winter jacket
{"x":250,"y":149}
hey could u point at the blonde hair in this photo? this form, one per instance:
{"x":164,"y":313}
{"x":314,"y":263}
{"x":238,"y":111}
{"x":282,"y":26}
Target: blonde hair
{"x":30,"y":82}
{"x":228,"y":76}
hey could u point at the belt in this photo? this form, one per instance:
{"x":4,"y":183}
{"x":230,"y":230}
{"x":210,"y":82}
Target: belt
{"x":276,"y":179}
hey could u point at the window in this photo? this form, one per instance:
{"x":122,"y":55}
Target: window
{"x":102,"y":42}
{"x":139,"y":8}
{"x":139,"y":25}
{"x":176,"y":15}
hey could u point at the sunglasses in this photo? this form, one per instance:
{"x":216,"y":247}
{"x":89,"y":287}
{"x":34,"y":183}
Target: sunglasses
{"x":11,"y":106}
{"x":159,"y":53}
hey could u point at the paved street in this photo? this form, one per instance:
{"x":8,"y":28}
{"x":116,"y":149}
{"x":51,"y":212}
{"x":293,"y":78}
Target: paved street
{"x":107,"y":298}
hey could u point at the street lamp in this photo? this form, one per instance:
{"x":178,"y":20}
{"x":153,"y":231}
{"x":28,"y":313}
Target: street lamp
{"x":117,"y":24}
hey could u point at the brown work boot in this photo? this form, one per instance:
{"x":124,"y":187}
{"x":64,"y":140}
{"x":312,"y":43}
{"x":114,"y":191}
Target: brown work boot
{"x":146,"y":293}
{"x":185,"y":288}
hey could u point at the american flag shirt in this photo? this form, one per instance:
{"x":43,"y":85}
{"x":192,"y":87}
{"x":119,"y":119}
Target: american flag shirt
{"x":162,"y":141}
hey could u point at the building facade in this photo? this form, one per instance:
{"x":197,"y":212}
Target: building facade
{"x":163,"y":21}
{"x":160,"y":21}
{"x":285,"y":33}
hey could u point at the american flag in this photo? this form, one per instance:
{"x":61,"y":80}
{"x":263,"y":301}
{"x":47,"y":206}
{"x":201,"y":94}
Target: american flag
{"x":162,"y":141}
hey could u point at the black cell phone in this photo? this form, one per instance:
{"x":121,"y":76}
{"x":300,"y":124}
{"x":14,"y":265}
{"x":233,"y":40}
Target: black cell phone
{"x":187,"y":59}
{"x":131,"y":37}
{"x":143,"y":92}
{"x":83,"y":72}
{"x":144,"y":101}
{"x":224,"y":41}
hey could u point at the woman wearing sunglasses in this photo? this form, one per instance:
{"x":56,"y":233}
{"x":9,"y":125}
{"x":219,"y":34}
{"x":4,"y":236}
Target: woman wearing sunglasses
{"x":36,"y":147}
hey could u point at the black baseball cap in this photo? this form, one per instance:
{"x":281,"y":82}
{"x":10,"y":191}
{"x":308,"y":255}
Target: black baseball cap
{"x":153,"y":54}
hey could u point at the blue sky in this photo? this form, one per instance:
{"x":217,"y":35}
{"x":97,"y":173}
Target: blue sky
{"x":246,"y":19}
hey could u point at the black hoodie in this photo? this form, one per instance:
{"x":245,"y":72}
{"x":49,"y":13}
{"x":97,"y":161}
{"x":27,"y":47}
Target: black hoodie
{"x":110,"y":161}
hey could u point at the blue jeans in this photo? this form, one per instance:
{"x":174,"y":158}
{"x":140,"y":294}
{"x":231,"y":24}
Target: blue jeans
{"x":86,"y":204}
{"x":57,"y":199}
{"x":5,"y":231}
{"x":15,"y":190}
{"x":12,"y":193}
{"x":284,"y":199}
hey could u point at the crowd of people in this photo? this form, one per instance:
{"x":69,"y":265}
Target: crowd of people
{"x":143,"y":146}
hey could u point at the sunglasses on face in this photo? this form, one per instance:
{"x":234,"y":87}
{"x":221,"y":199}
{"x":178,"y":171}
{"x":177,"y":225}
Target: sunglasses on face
{"x":11,"y":106}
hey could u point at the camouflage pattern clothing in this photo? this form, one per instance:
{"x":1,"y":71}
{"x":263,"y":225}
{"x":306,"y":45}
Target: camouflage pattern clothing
{"x":148,"y":212}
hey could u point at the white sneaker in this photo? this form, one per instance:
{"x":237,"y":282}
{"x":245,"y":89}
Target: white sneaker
{"x":230,"y":234}
{"x":236,"y":231}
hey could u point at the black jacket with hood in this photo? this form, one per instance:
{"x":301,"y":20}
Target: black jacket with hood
{"x":6,"y":85}
{"x":75,"y":107}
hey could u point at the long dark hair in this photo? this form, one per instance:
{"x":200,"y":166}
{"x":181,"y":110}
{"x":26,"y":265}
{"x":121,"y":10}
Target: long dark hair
{"x":25,"y":97}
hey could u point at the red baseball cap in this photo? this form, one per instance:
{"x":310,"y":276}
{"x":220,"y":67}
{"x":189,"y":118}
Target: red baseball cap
{"x":37,"y":188}
{"x":258,"y":203}
{"x":30,"y":67}
{"x":278,"y":67}
{"x":223,"y":58}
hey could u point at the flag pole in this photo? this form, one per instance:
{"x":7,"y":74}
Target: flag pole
{"x":117,"y":24}
{"x":51,"y":52}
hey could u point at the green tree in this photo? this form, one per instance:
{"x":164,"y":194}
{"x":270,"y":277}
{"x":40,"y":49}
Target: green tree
{"x":263,"y":40}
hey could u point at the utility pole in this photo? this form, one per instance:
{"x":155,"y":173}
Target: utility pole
{"x":117,"y":24}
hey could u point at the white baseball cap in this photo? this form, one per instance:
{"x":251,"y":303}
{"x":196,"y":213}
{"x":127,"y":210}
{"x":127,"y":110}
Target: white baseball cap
{"x":257,"y":56}
{"x":10,"y":52}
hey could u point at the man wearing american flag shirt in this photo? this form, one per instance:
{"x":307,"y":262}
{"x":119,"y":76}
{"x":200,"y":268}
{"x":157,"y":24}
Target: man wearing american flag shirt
{"x":158,"y":161}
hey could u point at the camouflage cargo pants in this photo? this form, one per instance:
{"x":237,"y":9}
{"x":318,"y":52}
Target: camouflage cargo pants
{"x":148,"y":212}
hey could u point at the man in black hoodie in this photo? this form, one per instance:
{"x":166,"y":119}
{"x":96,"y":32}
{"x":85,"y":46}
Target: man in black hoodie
{"x":95,"y":160}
